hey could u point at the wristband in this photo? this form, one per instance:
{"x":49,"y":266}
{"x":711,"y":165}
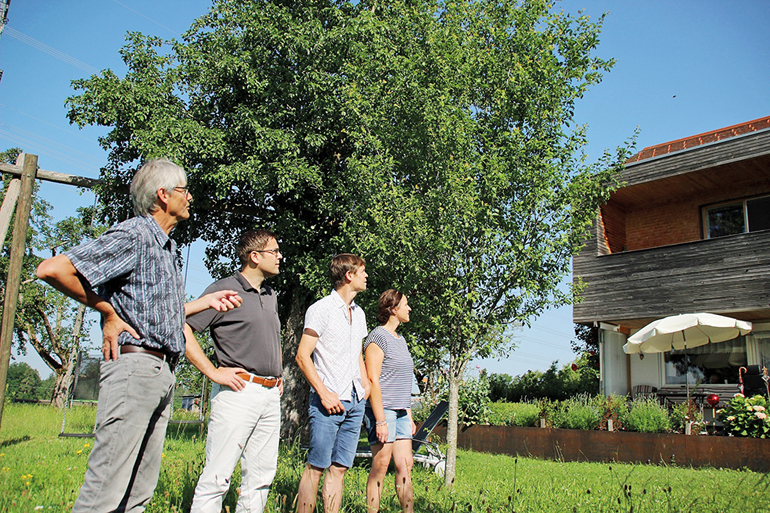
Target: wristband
{"x":381,"y":423}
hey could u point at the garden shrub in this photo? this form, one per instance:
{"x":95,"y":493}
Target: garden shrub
{"x":474,"y":401}
{"x":613,"y":408}
{"x":514,"y":414}
{"x":682,"y":413}
{"x":577,"y":413}
{"x":746,"y":416}
{"x":646,"y":415}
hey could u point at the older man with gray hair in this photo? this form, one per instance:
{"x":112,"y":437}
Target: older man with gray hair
{"x":130,"y":276}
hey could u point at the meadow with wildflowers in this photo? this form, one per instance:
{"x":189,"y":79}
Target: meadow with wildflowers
{"x":41,"y":472}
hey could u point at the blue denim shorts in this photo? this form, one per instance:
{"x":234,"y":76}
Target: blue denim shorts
{"x":334,"y":438}
{"x":399,"y":425}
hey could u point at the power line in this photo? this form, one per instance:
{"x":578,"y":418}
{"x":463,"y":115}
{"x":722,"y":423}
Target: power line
{"x":29,"y":144}
{"x":53,"y":52}
{"x":146,"y":17}
{"x":69,"y":132}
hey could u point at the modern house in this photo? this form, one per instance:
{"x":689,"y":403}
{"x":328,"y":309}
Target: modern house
{"x":688,"y":231}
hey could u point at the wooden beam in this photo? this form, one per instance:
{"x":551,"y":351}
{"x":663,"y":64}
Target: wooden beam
{"x":53,"y":176}
{"x":13,"y":281}
{"x":9,"y":205}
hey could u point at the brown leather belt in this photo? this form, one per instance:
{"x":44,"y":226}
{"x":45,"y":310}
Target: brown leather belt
{"x":265,"y":382}
{"x":157,"y":353}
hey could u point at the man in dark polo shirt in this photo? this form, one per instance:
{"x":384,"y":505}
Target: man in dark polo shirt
{"x":245,"y":407}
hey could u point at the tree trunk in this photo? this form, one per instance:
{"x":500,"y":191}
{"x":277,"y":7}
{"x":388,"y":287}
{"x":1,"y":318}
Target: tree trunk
{"x":294,"y":403}
{"x":61,"y":385}
{"x":451,"y":430}
{"x":456,"y":371}
{"x":64,"y":373}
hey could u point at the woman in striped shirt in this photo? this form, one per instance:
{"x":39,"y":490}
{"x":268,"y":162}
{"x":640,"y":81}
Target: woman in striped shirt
{"x":388,"y":416}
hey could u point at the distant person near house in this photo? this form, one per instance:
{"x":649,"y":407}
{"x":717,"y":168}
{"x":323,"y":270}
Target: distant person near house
{"x":388,"y":415}
{"x":140,"y":296}
{"x":329,"y":355}
{"x":246,"y":402}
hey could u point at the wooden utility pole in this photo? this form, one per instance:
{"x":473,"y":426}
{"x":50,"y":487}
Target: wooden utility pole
{"x":18,"y":244}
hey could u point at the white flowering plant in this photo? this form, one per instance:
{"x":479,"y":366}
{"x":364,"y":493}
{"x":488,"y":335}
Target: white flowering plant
{"x":746,"y":416}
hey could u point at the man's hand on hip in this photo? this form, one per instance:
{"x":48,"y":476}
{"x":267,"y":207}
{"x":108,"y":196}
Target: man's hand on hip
{"x":228,"y":376}
{"x":111,"y":330}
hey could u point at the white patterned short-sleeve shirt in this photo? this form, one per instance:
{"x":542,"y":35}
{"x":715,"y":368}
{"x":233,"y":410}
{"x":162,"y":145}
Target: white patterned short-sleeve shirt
{"x":340,"y":338}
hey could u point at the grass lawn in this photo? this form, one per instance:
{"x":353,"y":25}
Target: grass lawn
{"x":41,"y":472}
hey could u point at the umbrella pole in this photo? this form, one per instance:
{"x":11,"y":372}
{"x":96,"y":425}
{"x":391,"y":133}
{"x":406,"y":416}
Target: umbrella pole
{"x":687,"y":371}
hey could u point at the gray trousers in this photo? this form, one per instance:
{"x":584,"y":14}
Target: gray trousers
{"x":131,"y":419}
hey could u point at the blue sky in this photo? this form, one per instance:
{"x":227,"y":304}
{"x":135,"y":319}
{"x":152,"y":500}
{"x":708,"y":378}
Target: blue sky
{"x":683,"y":67}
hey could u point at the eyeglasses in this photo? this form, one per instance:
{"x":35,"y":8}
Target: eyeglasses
{"x":275,"y":251}
{"x":183,"y":190}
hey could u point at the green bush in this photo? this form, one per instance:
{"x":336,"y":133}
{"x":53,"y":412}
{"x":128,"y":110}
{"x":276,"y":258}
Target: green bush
{"x":746,"y":416}
{"x":578,"y":412}
{"x":646,"y":415}
{"x":615,"y":408}
{"x":682,"y":413}
{"x":474,"y":401}
{"x":514,"y":414}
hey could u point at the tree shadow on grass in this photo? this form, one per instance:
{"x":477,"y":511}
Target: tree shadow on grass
{"x":14,"y":441}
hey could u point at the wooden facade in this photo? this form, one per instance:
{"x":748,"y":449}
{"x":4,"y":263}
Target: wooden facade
{"x":727,"y":275}
{"x":646,"y":256}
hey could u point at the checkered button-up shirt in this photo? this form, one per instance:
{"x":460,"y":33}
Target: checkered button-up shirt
{"x":133,"y":266}
{"x":340,"y":338}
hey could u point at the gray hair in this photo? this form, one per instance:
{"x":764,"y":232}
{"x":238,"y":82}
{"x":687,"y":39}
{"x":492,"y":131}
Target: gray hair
{"x":153,"y":175}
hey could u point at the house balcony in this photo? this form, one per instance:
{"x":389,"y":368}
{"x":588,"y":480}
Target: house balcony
{"x":726,"y":275}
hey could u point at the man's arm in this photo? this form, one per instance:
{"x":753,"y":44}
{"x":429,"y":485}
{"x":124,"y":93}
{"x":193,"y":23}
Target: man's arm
{"x":62,"y":275}
{"x":221,"y":301}
{"x":304,"y":359}
{"x":222,"y":375}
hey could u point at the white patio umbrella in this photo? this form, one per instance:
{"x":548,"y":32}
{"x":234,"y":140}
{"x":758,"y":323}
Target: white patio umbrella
{"x":682,"y":331}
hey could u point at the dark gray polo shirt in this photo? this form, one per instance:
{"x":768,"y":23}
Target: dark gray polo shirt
{"x":248,"y":336}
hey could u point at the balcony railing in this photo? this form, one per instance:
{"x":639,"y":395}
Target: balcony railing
{"x":725,"y":274}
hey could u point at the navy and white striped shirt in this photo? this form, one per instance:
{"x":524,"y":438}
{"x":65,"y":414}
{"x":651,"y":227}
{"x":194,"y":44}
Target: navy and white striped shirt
{"x":133,"y":266}
{"x":397,"y":369}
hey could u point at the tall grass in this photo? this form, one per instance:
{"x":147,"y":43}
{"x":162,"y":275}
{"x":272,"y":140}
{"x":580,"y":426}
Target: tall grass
{"x":41,"y":472}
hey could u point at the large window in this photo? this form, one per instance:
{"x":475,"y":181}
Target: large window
{"x":712,"y":364}
{"x":763,"y":344}
{"x":738,"y":217}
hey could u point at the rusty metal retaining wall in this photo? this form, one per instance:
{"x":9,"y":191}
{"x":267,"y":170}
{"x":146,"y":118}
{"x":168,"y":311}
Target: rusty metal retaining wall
{"x":604,"y":446}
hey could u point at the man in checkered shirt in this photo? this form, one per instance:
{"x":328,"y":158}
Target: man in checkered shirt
{"x":329,"y":355}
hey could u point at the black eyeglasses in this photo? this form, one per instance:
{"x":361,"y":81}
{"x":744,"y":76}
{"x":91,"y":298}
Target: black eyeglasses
{"x":275,"y":251}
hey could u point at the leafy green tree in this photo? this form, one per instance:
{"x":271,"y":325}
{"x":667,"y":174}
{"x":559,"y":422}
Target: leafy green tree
{"x":480,"y":194}
{"x":52,"y":324}
{"x":587,"y":343}
{"x":23,"y":382}
{"x":434,"y":138}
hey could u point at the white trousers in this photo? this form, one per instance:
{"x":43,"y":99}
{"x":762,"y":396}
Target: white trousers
{"x":243,"y":425}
